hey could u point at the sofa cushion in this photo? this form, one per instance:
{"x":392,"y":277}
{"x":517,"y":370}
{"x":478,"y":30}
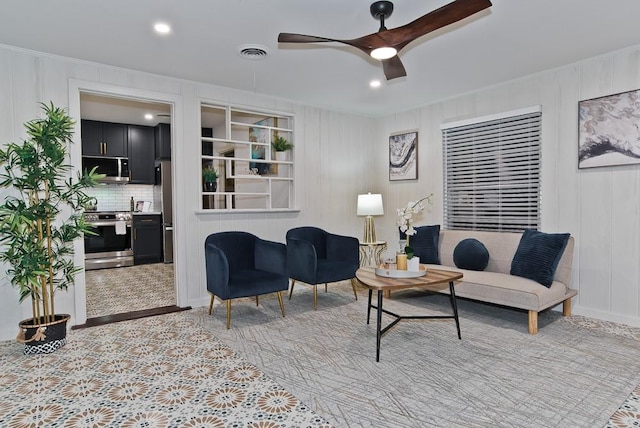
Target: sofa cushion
{"x":425,"y":243}
{"x":538,"y":255}
{"x":471,"y":254}
{"x":503,"y":289}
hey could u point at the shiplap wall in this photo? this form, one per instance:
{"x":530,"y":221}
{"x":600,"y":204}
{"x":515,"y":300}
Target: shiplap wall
{"x":339,"y":155}
{"x":600,"y":207}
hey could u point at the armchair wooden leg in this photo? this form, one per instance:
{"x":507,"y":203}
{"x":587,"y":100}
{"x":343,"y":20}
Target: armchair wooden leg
{"x":293,"y":282}
{"x":211,"y":303}
{"x":228,"y":314}
{"x":325,"y":287}
{"x":533,"y":322}
{"x":566,"y":308}
{"x":315,"y":297}
{"x":257,"y":304}
{"x":281,"y":304}
{"x":353,"y":285}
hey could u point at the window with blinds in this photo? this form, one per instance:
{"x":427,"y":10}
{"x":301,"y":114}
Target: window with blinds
{"x":492,"y":173}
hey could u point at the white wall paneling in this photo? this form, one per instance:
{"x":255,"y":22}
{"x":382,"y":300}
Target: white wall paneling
{"x":339,"y":155}
{"x":600,"y":207}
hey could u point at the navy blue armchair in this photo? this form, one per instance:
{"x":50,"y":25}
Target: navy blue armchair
{"x":240,"y":264}
{"x":315,"y":256}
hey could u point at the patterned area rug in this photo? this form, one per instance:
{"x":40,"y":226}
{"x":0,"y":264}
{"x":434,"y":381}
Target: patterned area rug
{"x":574,"y":373}
{"x":166,"y":371}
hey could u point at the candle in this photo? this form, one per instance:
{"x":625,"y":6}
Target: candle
{"x":401,"y":261}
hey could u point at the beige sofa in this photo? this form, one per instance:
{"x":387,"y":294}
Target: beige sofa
{"x":496,"y":285}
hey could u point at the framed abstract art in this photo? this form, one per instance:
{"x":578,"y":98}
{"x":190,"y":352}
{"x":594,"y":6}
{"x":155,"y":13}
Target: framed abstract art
{"x":609,"y":130}
{"x":403,"y":156}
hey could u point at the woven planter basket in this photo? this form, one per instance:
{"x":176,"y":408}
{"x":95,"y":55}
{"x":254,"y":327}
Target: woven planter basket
{"x":43,"y":338}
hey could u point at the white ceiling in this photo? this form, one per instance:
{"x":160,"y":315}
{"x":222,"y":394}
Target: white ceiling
{"x":511,"y":39}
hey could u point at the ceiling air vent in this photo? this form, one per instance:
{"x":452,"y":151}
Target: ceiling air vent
{"x":255,"y":52}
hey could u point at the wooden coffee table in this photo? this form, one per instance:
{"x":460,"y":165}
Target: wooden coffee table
{"x":369,"y":279}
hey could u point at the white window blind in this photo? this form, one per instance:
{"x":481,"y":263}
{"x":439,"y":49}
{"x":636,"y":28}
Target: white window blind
{"x":492,"y":174}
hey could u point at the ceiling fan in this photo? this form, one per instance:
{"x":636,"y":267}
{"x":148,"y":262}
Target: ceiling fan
{"x":385,"y":44}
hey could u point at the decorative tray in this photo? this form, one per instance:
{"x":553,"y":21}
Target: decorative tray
{"x":389,"y":270}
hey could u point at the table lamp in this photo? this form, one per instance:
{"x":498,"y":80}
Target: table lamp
{"x":370,"y":205}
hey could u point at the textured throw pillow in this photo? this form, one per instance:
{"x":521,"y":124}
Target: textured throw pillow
{"x":471,"y":254}
{"x":425,"y":244}
{"x":538,"y":255}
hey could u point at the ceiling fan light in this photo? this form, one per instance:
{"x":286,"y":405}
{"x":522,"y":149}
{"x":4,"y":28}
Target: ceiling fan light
{"x":383,"y":53}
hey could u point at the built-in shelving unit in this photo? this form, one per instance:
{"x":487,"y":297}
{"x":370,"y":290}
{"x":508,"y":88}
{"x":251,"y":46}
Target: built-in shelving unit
{"x":251,"y":175}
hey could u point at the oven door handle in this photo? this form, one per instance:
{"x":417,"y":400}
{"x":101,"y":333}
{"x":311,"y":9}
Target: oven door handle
{"x":107,"y":223}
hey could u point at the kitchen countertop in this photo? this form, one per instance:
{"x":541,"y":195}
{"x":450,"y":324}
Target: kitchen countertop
{"x":146,"y":213}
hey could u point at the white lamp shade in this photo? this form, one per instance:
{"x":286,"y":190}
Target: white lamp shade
{"x":370,"y":204}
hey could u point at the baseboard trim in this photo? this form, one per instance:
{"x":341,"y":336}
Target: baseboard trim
{"x":606,"y":316}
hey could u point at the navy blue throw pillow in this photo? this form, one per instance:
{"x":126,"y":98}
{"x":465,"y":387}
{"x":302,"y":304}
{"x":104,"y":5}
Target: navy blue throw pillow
{"x":538,"y":255}
{"x":425,"y":244}
{"x":471,"y":254}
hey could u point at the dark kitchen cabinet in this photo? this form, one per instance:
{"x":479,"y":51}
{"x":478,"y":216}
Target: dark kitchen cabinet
{"x":103,"y":138}
{"x":141,"y":154}
{"x":147,"y":238}
{"x":163,"y":141}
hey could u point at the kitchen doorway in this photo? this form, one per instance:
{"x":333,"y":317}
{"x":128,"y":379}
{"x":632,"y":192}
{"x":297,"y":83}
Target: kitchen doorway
{"x":125,"y":292}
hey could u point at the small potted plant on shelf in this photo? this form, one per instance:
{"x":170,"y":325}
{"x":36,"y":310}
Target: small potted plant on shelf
{"x":40,"y":220}
{"x":281,"y":145}
{"x":210,"y":177}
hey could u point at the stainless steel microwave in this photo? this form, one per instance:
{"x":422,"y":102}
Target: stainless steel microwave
{"x":116,"y":170}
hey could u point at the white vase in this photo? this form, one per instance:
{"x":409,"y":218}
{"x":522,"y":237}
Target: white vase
{"x":281,"y":156}
{"x":413,"y":264}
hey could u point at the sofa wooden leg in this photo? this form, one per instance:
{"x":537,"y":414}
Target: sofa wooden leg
{"x":566,"y":308}
{"x":353,"y":285}
{"x":257,"y":302}
{"x":228,"y":314}
{"x":211,"y":303}
{"x":533,"y":322}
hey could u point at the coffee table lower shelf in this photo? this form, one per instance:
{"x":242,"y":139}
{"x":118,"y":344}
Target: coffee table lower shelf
{"x":367,"y":277}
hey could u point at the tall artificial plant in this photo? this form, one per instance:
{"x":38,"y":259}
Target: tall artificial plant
{"x":43,"y":214}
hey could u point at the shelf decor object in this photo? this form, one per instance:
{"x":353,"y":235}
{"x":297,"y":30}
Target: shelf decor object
{"x":608,"y":130}
{"x":368,"y":206}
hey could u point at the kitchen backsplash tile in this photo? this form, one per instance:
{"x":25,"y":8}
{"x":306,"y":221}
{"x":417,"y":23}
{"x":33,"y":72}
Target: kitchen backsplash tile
{"x":118,"y":197}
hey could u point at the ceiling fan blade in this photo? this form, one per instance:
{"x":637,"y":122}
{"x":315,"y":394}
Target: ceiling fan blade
{"x":401,"y":36}
{"x":302,"y":38}
{"x":393,"y":68}
{"x":448,"y":14}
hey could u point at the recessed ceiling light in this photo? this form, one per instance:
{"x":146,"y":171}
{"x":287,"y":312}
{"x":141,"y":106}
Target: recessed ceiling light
{"x":375,"y":83}
{"x":162,"y":28}
{"x":148,"y":116}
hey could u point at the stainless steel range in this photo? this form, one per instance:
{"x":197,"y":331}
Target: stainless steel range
{"x":111,"y":246}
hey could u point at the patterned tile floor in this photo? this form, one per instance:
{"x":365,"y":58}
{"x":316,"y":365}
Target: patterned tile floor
{"x":155,"y":372}
{"x":118,"y":290}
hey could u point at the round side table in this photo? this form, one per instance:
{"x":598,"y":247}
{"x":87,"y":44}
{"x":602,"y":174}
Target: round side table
{"x":370,"y":252}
